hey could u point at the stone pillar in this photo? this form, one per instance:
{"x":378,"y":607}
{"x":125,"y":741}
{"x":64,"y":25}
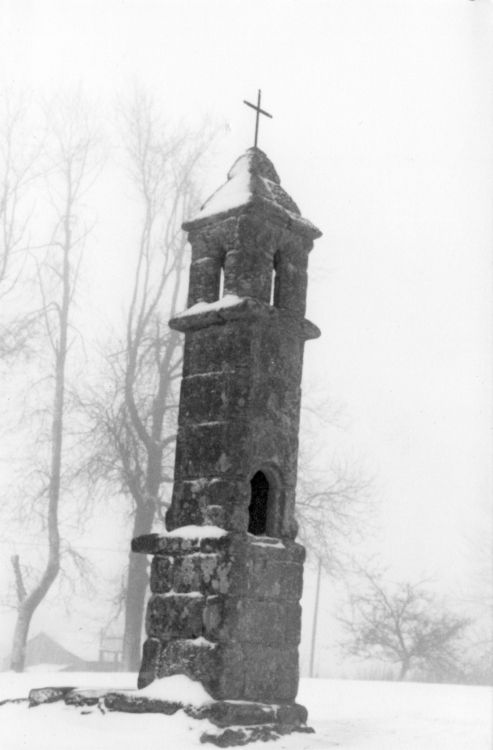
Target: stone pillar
{"x":226,"y":579}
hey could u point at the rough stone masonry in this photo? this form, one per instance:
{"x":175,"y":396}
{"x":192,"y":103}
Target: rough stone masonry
{"x":227,"y":578}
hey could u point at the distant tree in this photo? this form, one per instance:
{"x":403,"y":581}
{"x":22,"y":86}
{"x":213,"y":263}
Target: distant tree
{"x":133,"y":417}
{"x":68,"y":170}
{"x":478,"y":598}
{"x":478,"y":653}
{"x":402,"y":624}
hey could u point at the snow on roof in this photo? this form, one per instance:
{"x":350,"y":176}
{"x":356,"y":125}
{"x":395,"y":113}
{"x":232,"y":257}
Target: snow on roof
{"x":235,"y":192}
{"x":252,"y":176}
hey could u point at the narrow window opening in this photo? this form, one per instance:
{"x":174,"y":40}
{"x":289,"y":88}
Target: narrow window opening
{"x":274,"y":287}
{"x":258,"y":508}
{"x":221,"y":282}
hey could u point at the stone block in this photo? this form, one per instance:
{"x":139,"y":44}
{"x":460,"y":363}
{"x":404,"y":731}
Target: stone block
{"x":156,"y":544}
{"x":292,"y":714}
{"x":227,"y":713}
{"x":203,"y":397}
{"x":238,"y":736}
{"x":175,"y":616}
{"x":218,"y":617}
{"x":210,"y":500}
{"x":161,"y":574}
{"x":218,"y":544}
{"x":273,"y":623}
{"x":230,"y":679}
{"x":191,"y":497}
{"x":237,"y":517}
{"x":198,"y":659}
{"x":273,"y":579}
{"x":266,"y":550}
{"x":151,"y":653}
{"x":207,"y":572}
{"x":263,"y":577}
{"x":271,"y":674}
{"x":213,"y":396}
{"x":291,"y":576}
{"x":261,"y":622}
{"x":176,"y":545}
{"x":223,"y":348}
{"x":217,"y":448}
{"x":215,"y":515}
{"x":251,"y":620}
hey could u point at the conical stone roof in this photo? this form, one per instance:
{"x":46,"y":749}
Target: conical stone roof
{"x":252,"y":182}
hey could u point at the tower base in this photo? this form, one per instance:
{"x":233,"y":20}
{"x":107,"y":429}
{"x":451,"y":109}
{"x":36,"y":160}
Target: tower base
{"x":224,"y":611}
{"x":236,"y":723}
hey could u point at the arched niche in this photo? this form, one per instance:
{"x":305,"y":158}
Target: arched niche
{"x":265,"y":507}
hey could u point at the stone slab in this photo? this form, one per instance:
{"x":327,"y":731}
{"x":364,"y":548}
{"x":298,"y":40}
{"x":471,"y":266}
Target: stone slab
{"x":238,"y":736}
{"x":37,"y":696}
{"x":135,"y":704}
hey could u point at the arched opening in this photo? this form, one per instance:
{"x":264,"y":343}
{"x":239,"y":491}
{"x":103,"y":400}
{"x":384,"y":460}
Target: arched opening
{"x":259,"y":504}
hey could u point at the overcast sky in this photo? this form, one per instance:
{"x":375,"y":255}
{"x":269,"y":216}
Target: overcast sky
{"x":383,"y":134}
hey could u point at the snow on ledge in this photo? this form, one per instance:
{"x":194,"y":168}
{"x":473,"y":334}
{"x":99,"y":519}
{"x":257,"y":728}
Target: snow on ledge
{"x":278,"y":544}
{"x":177,"y":688}
{"x":197,"y":532}
{"x":229,"y":300}
{"x":182,"y":594}
{"x":202,"y":642}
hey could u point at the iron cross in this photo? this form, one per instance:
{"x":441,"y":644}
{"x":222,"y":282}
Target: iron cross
{"x":259,"y":112}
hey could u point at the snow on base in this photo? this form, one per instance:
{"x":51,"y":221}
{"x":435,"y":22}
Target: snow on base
{"x":43,"y":668}
{"x":177,"y":688}
{"x":346,"y":714}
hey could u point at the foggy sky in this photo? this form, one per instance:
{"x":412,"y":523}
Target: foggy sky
{"x":382,"y":133}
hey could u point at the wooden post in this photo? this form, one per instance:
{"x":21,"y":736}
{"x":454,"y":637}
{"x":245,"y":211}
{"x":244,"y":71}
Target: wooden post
{"x":315,"y":618}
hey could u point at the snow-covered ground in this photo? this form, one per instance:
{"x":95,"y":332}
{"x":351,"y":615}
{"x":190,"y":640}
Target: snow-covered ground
{"x":344,"y":713}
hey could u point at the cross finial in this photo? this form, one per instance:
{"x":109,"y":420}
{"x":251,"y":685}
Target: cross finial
{"x":259,"y":112}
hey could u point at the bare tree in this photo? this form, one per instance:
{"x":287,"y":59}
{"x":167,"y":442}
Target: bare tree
{"x":69,"y":174}
{"x":333,"y":506}
{"x":19,"y":161}
{"x":134,"y":424}
{"x":402,"y":624}
{"x":335,"y":500}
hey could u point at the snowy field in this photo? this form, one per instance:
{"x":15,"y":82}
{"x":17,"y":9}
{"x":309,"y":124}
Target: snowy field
{"x":344,"y":713}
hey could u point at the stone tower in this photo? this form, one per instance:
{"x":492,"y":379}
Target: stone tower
{"x":226,"y":579}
